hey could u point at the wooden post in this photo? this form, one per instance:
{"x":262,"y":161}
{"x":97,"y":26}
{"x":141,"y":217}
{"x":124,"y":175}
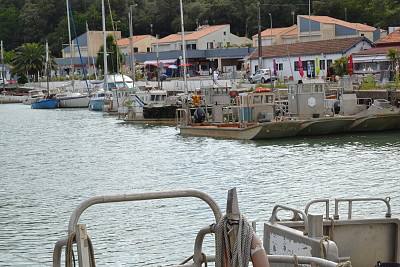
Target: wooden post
{"x":83,"y":246}
{"x":233,"y":215}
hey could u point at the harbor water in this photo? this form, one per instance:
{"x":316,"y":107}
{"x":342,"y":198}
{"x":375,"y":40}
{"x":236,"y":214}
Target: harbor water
{"x":54,"y":159}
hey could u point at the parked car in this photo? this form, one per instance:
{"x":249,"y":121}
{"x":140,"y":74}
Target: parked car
{"x":262,"y":76}
{"x":3,"y":81}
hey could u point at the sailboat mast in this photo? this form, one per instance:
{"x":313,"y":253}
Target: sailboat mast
{"x":47,"y":68}
{"x":183,"y":49}
{"x":71,"y":49}
{"x":133,"y":70}
{"x":3,"y":70}
{"x":103,"y":11}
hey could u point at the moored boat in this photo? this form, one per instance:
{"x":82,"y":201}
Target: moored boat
{"x":379,"y":116}
{"x":72,"y":100}
{"x":295,"y":237}
{"x":50,"y":103}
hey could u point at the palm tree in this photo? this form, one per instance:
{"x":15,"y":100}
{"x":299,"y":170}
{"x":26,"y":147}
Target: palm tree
{"x":29,"y":60}
{"x":393,"y":55}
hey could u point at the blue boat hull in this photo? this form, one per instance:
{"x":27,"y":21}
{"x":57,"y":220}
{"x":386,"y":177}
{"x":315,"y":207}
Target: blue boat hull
{"x":96,"y":104}
{"x":45,"y":104}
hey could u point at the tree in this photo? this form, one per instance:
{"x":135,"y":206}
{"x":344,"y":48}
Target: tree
{"x":341,"y":66}
{"x":29,"y":60}
{"x":114,"y":58}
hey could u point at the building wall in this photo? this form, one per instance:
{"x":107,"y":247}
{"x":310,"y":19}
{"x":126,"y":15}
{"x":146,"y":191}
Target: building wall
{"x":94,"y":40}
{"x":288,"y":62}
{"x":218,"y":38}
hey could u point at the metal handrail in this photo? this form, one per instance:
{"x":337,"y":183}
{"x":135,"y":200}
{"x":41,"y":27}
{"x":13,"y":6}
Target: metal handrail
{"x":296,"y":213}
{"x":130,"y":197}
{"x":350,"y":208}
{"x":319,"y":201}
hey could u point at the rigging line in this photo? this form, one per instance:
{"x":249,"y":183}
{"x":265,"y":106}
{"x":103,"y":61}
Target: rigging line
{"x":115,"y":36}
{"x":77,"y":43}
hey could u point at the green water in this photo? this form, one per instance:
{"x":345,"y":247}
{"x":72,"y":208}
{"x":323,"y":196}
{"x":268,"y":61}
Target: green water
{"x":54,"y":159}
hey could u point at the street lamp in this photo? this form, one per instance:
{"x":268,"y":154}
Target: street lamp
{"x":293,"y":16}
{"x":151,"y":29}
{"x":270,"y":18}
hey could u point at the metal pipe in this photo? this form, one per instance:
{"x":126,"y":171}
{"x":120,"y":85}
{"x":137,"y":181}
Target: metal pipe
{"x":318,"y":201}
{"x":57,"y":251}
{"x":131,"y":197}
{"x":351,"y":200}
{"x":142,"y":196}
{"x":198,"y":244}
{"x":301,"y":260}
{"x":295,"y":212}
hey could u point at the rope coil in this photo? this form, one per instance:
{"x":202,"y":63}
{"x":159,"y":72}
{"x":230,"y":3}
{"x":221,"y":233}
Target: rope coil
{"x":69,"y":251}
{"x":239,"y":254}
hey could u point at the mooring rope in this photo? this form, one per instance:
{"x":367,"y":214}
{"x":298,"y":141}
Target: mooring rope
{"x":296,"y":260}
{"x":69,"y":252}
{"x":322,"y":252}
{"x":239,"y":254}
{"x":344,"y":264}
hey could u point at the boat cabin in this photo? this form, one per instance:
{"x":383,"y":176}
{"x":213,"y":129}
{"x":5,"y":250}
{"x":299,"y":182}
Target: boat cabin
{"x":257,"y":106}
{"x":216,"y":95}
{"x":306,"y":100}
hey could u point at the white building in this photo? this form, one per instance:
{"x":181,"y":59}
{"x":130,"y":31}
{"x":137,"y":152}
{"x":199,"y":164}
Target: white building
{"x":205,"y":37}
{"x":286,"y":56}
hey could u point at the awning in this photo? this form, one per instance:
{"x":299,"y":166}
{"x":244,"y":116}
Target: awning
{"x":377,"y":58}
{"x":166,"y":62}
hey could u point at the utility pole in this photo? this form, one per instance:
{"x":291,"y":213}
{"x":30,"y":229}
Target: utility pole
{"x":259,"y":38}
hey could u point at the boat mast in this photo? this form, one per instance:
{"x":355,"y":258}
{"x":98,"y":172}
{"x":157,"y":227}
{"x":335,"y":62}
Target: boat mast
{"x":3,"y":70}
{"x":183,"y":49}
{"x":103,"y":11}
{"x":71,"y":49}
{"x":133,"y":71}
{"x":47,"y":69}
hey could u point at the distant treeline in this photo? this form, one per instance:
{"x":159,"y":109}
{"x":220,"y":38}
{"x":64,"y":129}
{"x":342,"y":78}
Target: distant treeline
{"x":27,"y":21}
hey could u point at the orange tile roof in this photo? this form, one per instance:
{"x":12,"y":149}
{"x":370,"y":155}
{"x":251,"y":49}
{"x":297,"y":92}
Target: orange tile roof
{"x":136,"y":38}
{"x":293,"y":31}
{"x":393,"y":38}
{"x":308,"y":48}
{"x":192,"y":35}
{"x":326,"y":19}
{"x":277,"y":31}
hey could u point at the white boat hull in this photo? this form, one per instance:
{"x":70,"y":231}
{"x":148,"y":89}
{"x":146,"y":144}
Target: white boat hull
{"x":74,"y":102}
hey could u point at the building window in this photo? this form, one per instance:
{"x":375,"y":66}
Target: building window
{"x":322,"y":64}
{"x":329,"y":63}
{"x":148,"y":49}
{"x":279,"y":66}
{"x":224,"y":33}
{"x":135,"y":49}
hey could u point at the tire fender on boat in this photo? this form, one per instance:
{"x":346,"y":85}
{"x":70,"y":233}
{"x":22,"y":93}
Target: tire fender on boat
{"x":258,"y":255}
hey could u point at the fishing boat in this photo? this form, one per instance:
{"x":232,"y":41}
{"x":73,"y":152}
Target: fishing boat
{"x":98,"y":99}
{"x":150,"y":106}
{"x":254,"y":118}
{"x":290,"y":236}
{"x":122,"y":89}
{"x":380,"y":116}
